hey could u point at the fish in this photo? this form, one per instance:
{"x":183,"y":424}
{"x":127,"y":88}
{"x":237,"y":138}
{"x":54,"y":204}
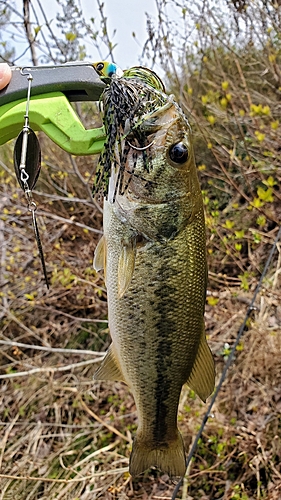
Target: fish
{"x":153,"y":253}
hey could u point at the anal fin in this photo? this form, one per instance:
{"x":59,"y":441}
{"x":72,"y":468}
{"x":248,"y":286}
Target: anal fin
{"x":109,"y":369}
{"x":202,"y":377}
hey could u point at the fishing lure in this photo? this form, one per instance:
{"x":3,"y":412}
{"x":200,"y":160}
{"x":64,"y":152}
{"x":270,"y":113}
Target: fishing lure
{"x":130,"y":105}
{"x":27,"y":164}
{"x":108,"y":69}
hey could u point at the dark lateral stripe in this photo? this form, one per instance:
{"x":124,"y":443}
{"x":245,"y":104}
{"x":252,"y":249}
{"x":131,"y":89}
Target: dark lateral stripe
{"x":165,"y":326}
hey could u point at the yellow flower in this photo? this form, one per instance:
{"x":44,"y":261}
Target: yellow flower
{"x":211,"y":119}
{"x":266,"y":110}
{"x":274,"y":125}
{"x":212,"y":301}
{"x":202,"y":167}
{"x":260,"y":136}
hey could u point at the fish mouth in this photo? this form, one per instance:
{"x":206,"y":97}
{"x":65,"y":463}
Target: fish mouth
{"x":138,"y":119}
{"x":131,"y":108}
{"x":134,"y":169}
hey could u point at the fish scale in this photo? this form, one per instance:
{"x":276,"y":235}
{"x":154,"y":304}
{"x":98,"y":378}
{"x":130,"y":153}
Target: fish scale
{"x":154,"y":255}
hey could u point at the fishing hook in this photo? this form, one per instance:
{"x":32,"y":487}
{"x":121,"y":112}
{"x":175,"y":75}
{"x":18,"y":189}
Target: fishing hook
{"x":140,"y":149}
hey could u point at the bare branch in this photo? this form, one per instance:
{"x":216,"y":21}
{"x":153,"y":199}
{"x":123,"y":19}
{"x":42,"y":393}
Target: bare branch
{"x":69,"y":221}
{"x":105,"y":36}
{"x":51,"y":349}
{"x":87,"y":320}
{"x":108,"y":426}
{"x":121,"y":470}
{"x":29,"y":36}
{"x":50,"y":369}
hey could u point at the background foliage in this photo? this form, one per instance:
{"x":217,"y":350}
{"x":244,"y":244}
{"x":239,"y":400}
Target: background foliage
{"x":63,"y":436}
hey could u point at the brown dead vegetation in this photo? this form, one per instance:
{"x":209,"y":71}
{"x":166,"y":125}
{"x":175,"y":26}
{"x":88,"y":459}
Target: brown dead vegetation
{"x":65,"y":437}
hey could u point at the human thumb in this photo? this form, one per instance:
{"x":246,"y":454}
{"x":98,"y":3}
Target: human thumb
{"x":5,"y":75}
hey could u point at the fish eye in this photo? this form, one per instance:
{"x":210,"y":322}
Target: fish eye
{"x":100,"y":66}
{"x":178,"y":153}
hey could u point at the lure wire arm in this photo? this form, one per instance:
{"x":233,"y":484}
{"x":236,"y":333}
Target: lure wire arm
{"x":25,"y":131}
{"x":27,"y":149}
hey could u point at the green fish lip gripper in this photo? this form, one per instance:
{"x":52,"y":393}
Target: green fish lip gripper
{"x":52,"y":90}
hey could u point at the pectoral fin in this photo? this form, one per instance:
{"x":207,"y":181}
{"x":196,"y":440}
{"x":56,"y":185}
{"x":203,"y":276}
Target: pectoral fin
{"x":202,"y":377}
{"x":109,"y":369}
{"x":99,"y":256}
{"x":126,"y":266}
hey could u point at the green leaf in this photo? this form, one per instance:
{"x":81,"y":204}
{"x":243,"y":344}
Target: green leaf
{"x":261,"y":220}
{"x":70,"y":36}
{"x":265,"y":195}
{"x":228,"y":224}
{"x":270,"y":181}
{"x":240,"y":234}
{"x":37,"y":29}
{"x":257,"y":203}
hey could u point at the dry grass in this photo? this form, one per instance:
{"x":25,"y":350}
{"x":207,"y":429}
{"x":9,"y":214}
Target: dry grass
{"x":65,"y":437}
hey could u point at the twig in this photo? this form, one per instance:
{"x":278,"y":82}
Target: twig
{"x":278,"y":269}
{"x":3,"y":245}
{"x":45,"y":479}
{"x":49,"y":369}
{"x":51,"y":349}
{"x":96,"y":453}
{"x":29,"y":36}
{"x":69,"y":221}
{"x":53,"y":36}
{"x":80,"y":176}
{"x":18,"y":322}
{"x":64,"y":481}
{"x":5,"y":437}
{"x":57,"y":197}
{"x":47,"y":45}
{"x":105,"y":37}
{"x":86,"y":320}
{"x":108,"y":426}
{"x":50,"y":424}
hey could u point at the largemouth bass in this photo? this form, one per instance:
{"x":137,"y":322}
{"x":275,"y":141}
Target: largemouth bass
{"x":154,"y":258}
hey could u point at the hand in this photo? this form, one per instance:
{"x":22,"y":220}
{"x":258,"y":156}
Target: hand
{"x":5,"y":75}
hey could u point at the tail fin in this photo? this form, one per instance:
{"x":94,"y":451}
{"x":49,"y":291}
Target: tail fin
{"x":169,"y":458}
